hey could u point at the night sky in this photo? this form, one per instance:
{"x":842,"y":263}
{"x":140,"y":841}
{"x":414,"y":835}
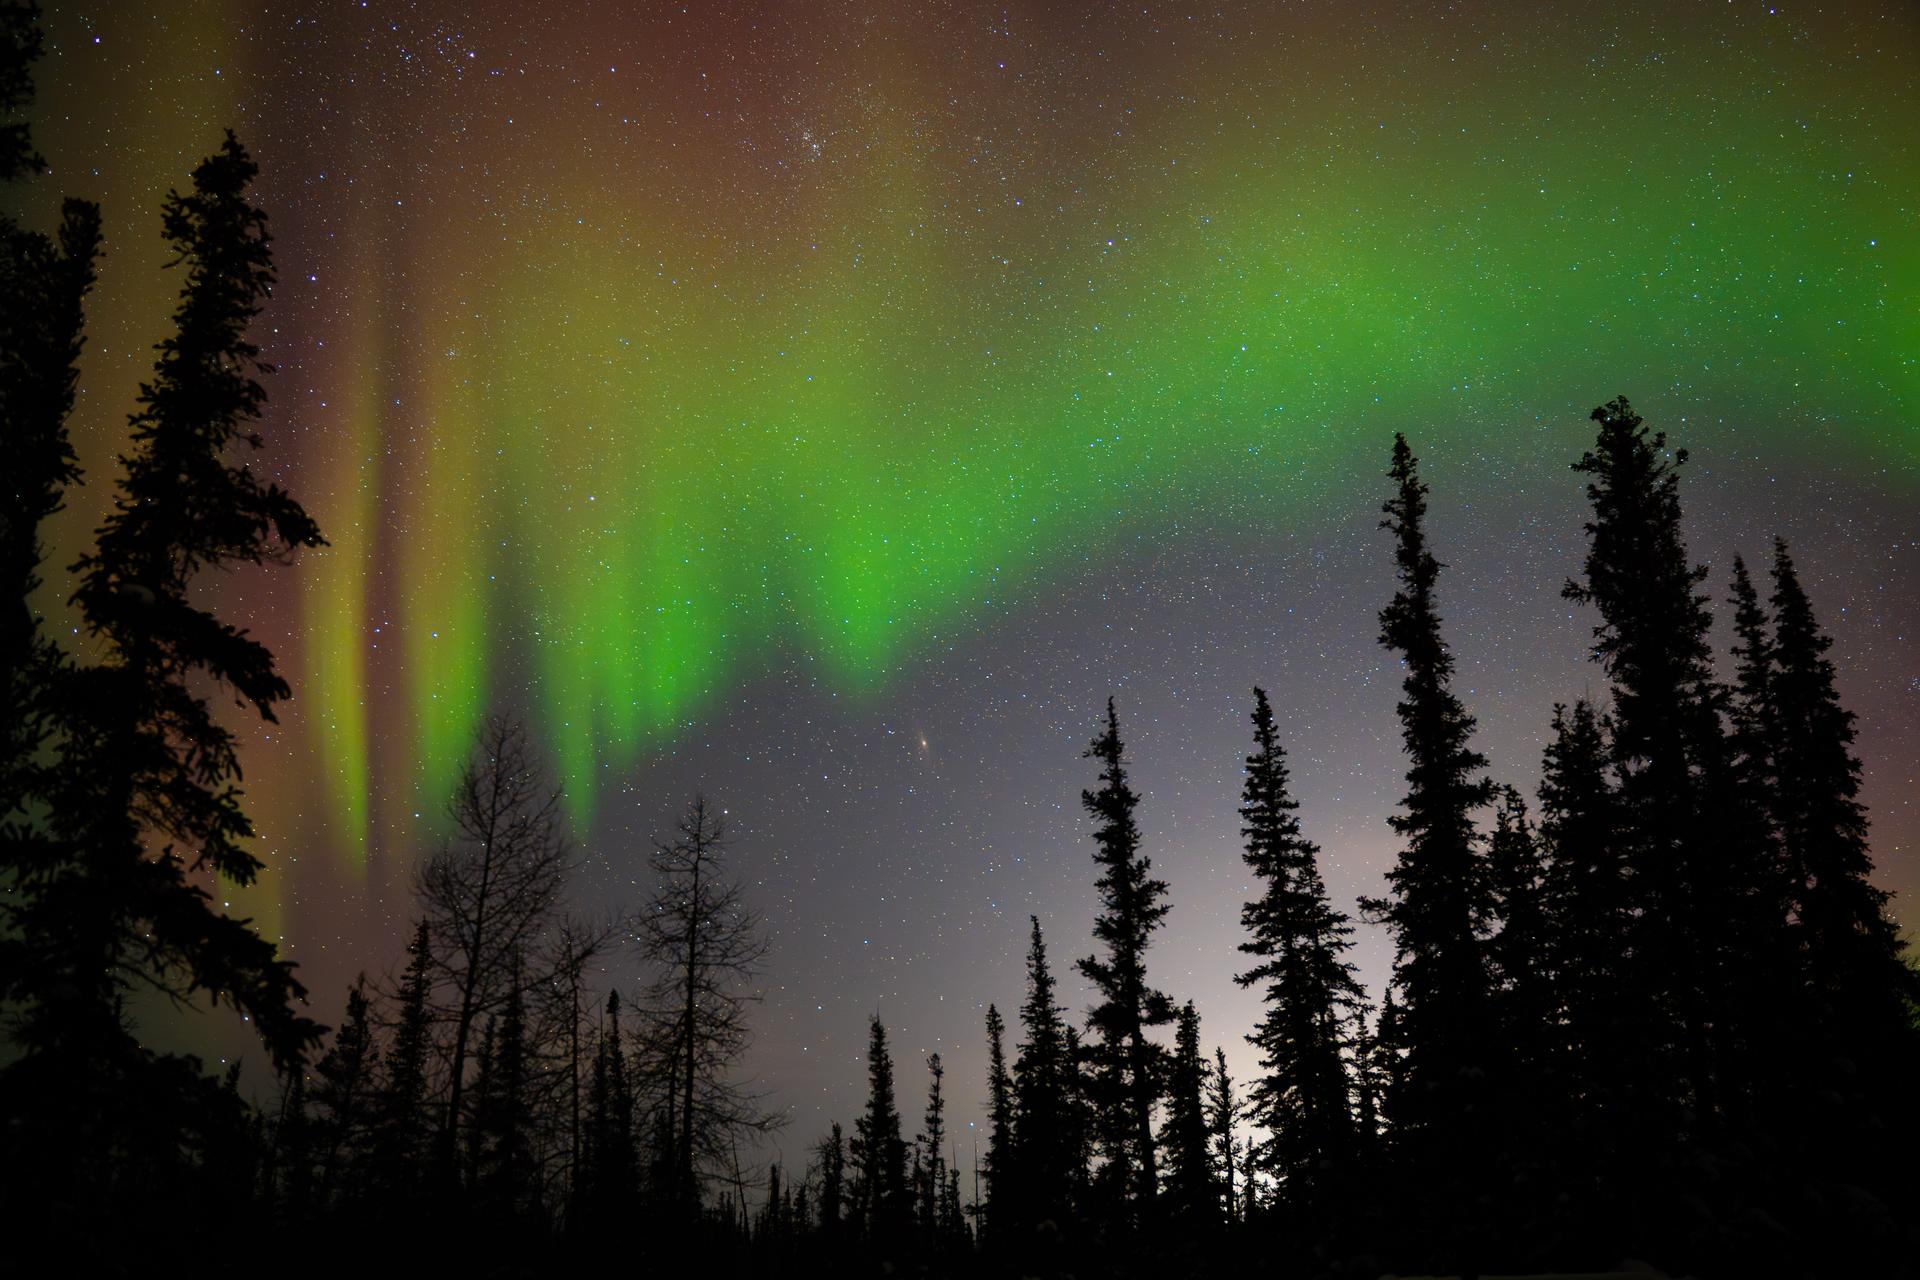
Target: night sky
{"x":829,"y":405}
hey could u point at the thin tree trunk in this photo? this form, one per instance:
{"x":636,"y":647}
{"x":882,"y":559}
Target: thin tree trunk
{"x":687,"y":1029}
{"x":470,"y":988}
{"x":573,"y":1060}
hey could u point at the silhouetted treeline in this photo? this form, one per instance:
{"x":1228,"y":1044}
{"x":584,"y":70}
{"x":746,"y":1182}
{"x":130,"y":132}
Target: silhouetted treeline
{"x":119,"y":797}
{"x":1659,"y":1011}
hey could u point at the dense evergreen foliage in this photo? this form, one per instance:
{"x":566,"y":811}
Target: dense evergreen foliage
{"x":1126,"y":1066}
{"x":1303,"y":1098}
{"x":1441,"y":902}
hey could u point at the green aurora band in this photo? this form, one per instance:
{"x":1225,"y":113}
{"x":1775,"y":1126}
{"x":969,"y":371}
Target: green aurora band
{"x":596,"y":393}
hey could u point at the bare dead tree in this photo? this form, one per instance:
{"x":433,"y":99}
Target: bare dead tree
{"x":564,"y":1011}
{"x":565,"y":989}
{"x":491,"y":895}
{"x":706,"y":947}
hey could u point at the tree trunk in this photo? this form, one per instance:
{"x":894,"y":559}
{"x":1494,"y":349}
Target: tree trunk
{"x":687,"y":1187}
{"x":469,"y":992}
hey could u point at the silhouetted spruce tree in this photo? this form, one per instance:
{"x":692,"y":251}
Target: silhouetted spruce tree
{"x":831,"y":1155}
{"x":879,"y":1154}
{"x":1439,"y":904}
{"x":1222,"y":1108}
{"x":1526,"y":1005}
{"x":1863,"y":991}
{"x":1589,"y":902}
{"x":1251,"y":1200}
{"x":661,"y":1077}
{"x":150,"y":763}
{"x":44,"y":282}
{"x":1370,"y":1052}
{"x":232,"y":1157}
{"x":1192,"y":1196}
{"x":346,"y":1079}
{"x":293,"y":1146}
{"x":1082,"y":1127}
{"x":21,"y":45}
{"x":1525,"y":1110}
{"x":402,"y":1135}
{"x":933,"y":1138}
{"x":1304,"y":1096}
{"x":954,"y":1224}
{"x":144,"y":770}
{"x":918,"y":1193}
{"x":140,"y":790}
{"x":1127,"y":1066}
{"x":1671,"y":762}
{"x":1387,"y":1054}
{"x":1037,"y":1182}
{"x":610,"y":1163}
{"x":1771,"y":1010}
{"x":1750,"y":708}
{"x":999,"y":1116}
{"x":506,"y":1131}
{"x":772,"y":1217}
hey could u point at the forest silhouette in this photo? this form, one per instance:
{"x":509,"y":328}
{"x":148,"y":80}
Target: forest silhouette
{"x":1657,"y":1010}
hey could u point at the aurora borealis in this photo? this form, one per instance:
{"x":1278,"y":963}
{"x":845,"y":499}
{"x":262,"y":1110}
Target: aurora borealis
{"x":832,"y":403}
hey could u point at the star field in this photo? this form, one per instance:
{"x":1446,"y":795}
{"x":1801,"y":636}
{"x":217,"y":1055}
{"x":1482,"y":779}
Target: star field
{"x":831,"y":405}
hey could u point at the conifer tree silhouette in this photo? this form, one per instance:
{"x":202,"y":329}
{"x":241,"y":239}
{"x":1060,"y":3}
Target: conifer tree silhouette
{"x":1373,"y":1059}
{"x":1223,"y":1107}
{"x":1192,"y":1196}
{"x":1666,"y":743}
{"x":1526,"y":1007}
{"x":1082,"y":1126}
{"x":144,"y":761}
{"x":345,"y":1078}
{"x":1750,"y":711}
{"x":878,"y":1152}
{"x":932,"y":1143}
{"x":1524,"y":1073}
{"x":1439,"y":905}
{"x":502,"y":1119}
{"x":40,"y":340}
{"x":1589,"y":902}
{"x":132,"y":781}
{"x":1046,"y":1140}
{"x":610,"y":1163}
{"x":21,"y":45}
{"x":1127,"y":1066}
{"x":1863,"y":990}
{"x":832,"y":1157}
{"x":1303,"y":1098}
{"x":293,"y":1138}
{"x":1765,"y":1012}
{"x":999,"y":1119}
{"x":402,"y":1139}
{"x":45,"y":281}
